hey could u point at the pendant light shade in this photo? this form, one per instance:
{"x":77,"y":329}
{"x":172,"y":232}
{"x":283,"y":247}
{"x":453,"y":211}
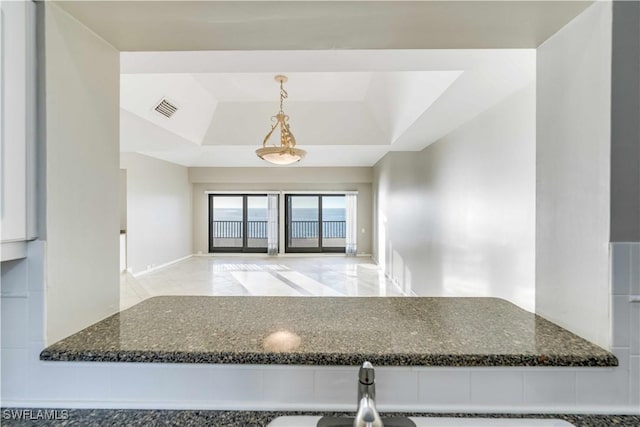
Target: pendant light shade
{"x":286,"y":153}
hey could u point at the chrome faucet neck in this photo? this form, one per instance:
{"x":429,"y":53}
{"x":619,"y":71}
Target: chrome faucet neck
{"x":366,"y":381}
{"x":367,"y":414}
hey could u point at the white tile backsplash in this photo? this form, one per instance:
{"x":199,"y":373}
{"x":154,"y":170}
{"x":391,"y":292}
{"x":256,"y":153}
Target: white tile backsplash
{"x":634,"y":329}
{"x":550,"y":388}
{"x":635,"y":269}
{"x":80,"y":382}
{"x":634,"y":382}
{"x":90,"y":382}
{"x":444,"y":386}
{"x":171,"y":382}
{"x":14,"y":316}
{"x":601,"y":387}
{"x":622,"y":354}
{"x":335,"y":385}
{"x":287,"y":385}
{"x":621,"y":320}
{"x":620,"y":268}
{"x":35,"y":266}
{"x":237,"y":383}
{"x":604,"y":386}
{"x":36,"y":317}
{"x":14,"y":278}
{"x":142,"y":382}
{"x":49,"y":381}
{"x":497,"y":387}
{"x":395,"y":386}
{"x":13,"y":374}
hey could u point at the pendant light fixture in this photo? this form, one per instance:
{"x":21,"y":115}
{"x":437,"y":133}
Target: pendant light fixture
{"x":286,"y":153}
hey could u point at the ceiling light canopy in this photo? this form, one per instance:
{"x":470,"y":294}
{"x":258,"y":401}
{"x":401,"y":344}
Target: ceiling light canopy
{"x":286,"y":153}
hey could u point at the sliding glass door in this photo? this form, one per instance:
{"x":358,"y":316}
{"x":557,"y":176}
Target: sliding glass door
{"x":226,"y":230}
{"x":256,"y":222}
{"x":315,"y":223}
{"x":238,"y":223}
{"x":303,"y":224}
{"x":333,"y":222}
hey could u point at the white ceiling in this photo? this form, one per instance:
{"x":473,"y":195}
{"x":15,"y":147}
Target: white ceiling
{"x":140,"y":93}
{"x":366,"y":77}
{"x":321,"y":25}
{"x":347,"y":108}
{"x":314,"y":87}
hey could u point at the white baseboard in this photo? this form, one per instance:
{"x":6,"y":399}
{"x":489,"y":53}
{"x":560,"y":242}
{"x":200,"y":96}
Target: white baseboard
{"x":285,"y":255}
{"x":161,"y":266}
{"x":397,"y":285}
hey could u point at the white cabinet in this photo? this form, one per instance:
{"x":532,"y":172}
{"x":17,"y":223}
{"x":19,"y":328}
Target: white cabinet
{"x":18,"y":126}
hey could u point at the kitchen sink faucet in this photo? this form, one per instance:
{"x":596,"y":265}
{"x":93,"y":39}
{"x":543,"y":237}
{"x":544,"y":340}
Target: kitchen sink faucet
{"x":367,"y":414}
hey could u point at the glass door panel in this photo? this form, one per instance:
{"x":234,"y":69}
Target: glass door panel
{"x":334,"y":214}
{"x":303,"y":223}
{"x":227,"y":216}
{"x":238,"y":223}
{"x":315,"y":223}
{"x":257,"y":216}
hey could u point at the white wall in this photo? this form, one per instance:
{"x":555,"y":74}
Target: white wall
{"x":280,"y":179}
{"x":158,"y":211}
{"x":573,"y":170}
{"x":457,"y":219}
{"x":399,"y":218}
{"x":82,"y":152}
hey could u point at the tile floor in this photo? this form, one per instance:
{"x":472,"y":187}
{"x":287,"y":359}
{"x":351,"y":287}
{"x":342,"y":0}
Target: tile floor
{"x":260,"y":276}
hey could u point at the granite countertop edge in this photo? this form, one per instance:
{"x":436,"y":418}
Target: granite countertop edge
{"x":334,"y":359}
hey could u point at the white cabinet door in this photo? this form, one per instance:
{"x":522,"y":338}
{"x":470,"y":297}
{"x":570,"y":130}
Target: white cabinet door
{"x":17,"y":127}
{"x":17,"y":47}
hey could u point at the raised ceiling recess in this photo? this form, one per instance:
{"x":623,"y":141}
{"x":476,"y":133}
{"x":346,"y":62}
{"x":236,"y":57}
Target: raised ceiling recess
{"x":348,"y":108}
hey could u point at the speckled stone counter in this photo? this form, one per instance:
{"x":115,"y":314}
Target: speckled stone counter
{"x":129,"y":417}
{"x":329,"y":331}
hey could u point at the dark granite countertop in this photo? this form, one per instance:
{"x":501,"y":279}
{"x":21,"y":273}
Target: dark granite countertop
{"x":329,"y":331}
{"x":133,"y":417}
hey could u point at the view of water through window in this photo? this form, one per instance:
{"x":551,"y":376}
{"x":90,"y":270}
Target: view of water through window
{"x":313,"y":222}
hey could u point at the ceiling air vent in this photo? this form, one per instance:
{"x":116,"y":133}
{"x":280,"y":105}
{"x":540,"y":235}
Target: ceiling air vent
{"x":166,"y":108}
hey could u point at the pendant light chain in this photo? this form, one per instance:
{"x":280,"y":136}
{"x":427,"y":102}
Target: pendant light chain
{"x":283,"y":95}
